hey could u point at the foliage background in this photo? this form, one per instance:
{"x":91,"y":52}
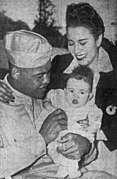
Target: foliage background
{"x":44,"y":24}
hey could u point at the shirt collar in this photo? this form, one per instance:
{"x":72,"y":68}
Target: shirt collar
{"x":19,"y":97}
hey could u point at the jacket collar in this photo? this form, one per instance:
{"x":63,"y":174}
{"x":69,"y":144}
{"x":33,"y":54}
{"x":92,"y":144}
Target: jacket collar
{"x":19,"y":97}
{"x":103,"y":63}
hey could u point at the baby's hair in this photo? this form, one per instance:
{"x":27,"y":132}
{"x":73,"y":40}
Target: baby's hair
{"x":83,"y":73}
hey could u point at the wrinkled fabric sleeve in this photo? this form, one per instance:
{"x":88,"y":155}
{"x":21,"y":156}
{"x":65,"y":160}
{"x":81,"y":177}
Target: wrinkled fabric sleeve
{"x":95,"y":121}
{"x":16,"y":157}
{"x":20,"y":154}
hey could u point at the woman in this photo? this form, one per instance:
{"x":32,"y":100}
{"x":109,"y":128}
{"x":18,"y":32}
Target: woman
{"x":85,"y":30}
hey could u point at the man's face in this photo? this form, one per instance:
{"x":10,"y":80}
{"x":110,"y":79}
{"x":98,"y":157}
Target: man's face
{"x":33,"y":81}
{"x":77,"y":92}
{"x":82,"y":44}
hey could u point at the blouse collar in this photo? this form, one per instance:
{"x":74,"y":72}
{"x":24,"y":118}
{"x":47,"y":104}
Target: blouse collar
{"x":102,"y":65}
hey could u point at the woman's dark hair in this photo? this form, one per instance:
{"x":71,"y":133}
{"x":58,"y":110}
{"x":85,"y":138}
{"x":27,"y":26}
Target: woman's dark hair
{"x":83,"y":14}
{"x":83,"y":73}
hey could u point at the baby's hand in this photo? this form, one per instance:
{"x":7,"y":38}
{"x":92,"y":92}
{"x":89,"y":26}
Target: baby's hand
{"x":83,"y":123}
{"x":48,"y":105}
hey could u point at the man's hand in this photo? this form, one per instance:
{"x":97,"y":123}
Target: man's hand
{"x":5,"y":93}
{"x":74,"y":146}
{"x":53,"y":124}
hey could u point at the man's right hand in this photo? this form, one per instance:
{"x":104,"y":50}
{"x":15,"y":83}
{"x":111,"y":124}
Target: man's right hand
{"x":5,"y":93}
{"x":53,"y":124}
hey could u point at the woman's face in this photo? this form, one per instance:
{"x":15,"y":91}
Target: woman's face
{"x":82,"y":44}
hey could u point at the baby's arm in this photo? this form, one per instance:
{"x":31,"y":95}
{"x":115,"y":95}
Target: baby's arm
{"x":47,"y":102}
{"x":91,"y":125}
{"x":95,"y":119}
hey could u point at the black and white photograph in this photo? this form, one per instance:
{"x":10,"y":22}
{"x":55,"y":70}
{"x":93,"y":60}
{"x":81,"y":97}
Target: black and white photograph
{"x":58,"y":89}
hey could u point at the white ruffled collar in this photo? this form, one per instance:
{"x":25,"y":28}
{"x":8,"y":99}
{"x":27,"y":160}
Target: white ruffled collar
{"x":103,"y":63}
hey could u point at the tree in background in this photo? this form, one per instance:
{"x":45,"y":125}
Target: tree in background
{"x":7,"y":24}
{"x":45,"y":24}
{"x":46,"y":11}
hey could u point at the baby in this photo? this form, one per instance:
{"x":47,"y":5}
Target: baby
{"x":76,"y":101}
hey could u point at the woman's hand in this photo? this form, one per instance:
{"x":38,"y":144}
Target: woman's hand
{"x":74,"y":146}
{"x":5,"y":93}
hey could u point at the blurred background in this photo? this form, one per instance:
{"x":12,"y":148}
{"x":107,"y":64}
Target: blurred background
{"x":47,"y":17}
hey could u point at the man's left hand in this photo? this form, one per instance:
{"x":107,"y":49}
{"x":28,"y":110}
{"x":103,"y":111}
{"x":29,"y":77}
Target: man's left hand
{"x":74,"y":146}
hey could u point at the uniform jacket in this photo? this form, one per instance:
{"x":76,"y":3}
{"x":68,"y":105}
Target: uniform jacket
{"x":20,"y":141}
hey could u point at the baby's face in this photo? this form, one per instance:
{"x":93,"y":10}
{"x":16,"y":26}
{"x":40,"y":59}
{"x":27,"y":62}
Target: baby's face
{"x":77,"y":92}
